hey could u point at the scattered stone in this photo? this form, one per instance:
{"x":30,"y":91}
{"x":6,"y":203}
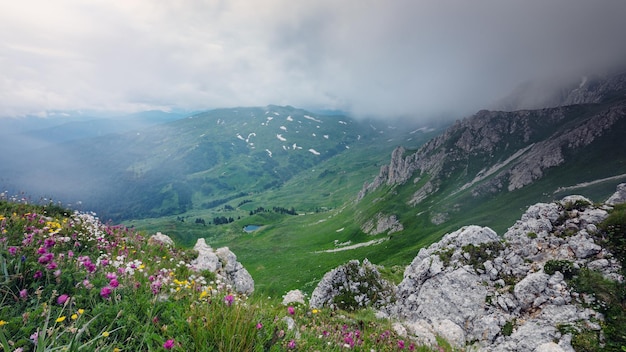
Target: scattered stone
{"x":161,"y":239}
{"x":293,"y":296}
{"x":224,"y":264}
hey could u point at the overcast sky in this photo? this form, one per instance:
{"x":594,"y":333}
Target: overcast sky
{"x":368,"y":57}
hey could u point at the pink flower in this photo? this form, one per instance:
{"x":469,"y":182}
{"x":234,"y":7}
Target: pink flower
{"x":12,"y":250}
{"x":62,"y":299}
{"x":169,"y":344}
{"x":291,"y":310}
{"x":229,"y":300}
{"x":46,"y":258}
{"x":105,"y":292}
{"x":38,"y":275}
{"x":259,"y":326}
{"x":114,"y":283}
{"x":401,"y":344}
{"x":111,"y":276}
{"x":292,"y":344}
{"x":23,"y":294}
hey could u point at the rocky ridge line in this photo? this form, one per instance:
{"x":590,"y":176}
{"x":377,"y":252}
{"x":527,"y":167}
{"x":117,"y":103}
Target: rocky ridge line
{"x":502,"y":294}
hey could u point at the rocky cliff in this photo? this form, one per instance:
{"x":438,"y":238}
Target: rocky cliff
{"x":507,"y":293}
{"x":496,"y":151}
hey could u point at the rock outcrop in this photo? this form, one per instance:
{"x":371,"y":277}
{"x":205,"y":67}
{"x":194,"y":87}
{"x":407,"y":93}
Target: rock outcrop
{"x":495,"y":293}
{"x":224,"y":264}
{"x":382,"y":223}
{"x":352,"y":286}
{"x":473,"y":287}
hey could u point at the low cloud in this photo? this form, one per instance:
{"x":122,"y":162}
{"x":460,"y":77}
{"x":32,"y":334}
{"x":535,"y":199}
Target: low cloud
{"x":372,"y":58}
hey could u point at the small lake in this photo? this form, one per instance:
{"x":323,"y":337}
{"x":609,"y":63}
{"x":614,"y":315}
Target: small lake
{"x":251,"y":228}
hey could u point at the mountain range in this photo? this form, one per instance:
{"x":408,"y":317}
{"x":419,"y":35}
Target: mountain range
{"x":263,"y":165}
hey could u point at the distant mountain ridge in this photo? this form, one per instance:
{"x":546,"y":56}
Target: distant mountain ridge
{"x":197,"y":162}
{"x":497,"y":151}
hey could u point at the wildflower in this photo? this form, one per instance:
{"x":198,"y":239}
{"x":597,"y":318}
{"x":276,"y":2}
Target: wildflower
{"x":401,"y":344}
{"x":38,"y":275}
{"x":23,"y":294}
{"x":291,"y":310}
{"x":51,"y":266}
{"x":292,"y":344}
{"x":60,"y":319}
{"x":62,"y":299}
{"x":229,"y":300}
{"x":259,"y":326}
{"x":114,"y":283}
{"x":74,"y":316}
{"x":81,"y":311}
{"x":105,"y":334}
{"x":169,"y":344}
{"x":348,"y":341}
{"x":2,"y":323}
{"x":105,"y":292}
{"x":315,"y":311}
{"x":12,"y":250}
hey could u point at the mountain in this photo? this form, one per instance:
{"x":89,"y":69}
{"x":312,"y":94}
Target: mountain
{"x":530,"y":153}
{"x":199,"y":162}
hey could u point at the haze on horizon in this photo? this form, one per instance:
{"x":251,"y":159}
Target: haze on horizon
{"x":367,"y":57}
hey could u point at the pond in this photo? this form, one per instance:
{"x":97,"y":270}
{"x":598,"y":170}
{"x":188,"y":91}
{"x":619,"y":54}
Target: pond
{"x":251,"y":228}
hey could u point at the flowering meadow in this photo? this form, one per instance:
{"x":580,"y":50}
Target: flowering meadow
{"x":70,"y":282}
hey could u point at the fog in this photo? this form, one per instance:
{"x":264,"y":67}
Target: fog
{"x":367,"y":57}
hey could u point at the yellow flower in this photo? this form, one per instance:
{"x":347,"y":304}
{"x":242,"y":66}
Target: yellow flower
{"x":116,"y":350}
{"x":60,"y":319}
{"x":203,"y":294}
{"x":105,"y":334}
{"x":315,"y":311}
{"x":81,"y":311}
{"x":2,"y":323}
{"x":74,"y":316}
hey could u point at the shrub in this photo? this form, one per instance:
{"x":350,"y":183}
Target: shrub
{"x":565,"y":267}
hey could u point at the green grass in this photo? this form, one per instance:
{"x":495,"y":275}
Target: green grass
{"x":109,"y":290}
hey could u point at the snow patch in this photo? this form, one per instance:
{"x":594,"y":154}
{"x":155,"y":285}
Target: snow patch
{"x":268,"y":152}
{"x":312,"y":118}
{"x":289,"y":118}
{"x":364,"y":244}
{"x":313,"y":134}
{"x":314,"y":151}
{"x":343,"y":122}
{"x":283,"y":128}
{"x":326,"y":136}
{"x":281,"y":138}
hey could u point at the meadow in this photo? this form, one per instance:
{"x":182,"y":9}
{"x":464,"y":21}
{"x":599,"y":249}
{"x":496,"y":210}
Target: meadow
{"x":71,"y":283}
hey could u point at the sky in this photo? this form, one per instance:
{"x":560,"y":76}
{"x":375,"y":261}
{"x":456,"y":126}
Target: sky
{"x":375,"y":58}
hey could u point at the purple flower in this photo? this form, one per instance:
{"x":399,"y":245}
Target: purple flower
{"x":38,"y":275}
{"x":259,"y":326}
{"x":51,"y":266}
{"x":401,"y":344}
{"x":62,"y":299}
{"x":114,"y":283}
{"x":23,"y":293}
{"x":105,"y":292}
{"x":46,"y":258}
{"x":291,"y":310}
{"x":111,"y":276}
{"x":229,"y":300}
{"x":169,"y":344}
{"x":12,"y":250}
{"x":292,"y":344}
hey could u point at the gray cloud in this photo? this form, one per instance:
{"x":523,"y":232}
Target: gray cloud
{"x":372,"y":57}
